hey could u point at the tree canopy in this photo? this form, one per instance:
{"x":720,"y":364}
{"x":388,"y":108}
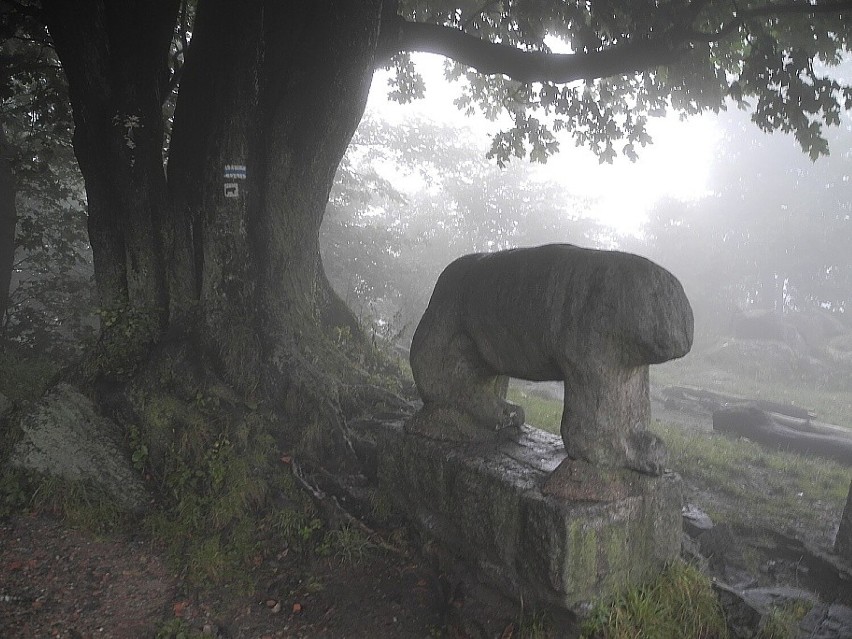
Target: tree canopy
{"x":628,"y":61}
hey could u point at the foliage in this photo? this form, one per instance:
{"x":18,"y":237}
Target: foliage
{"x":126,"y":333}
{"x":409,"y":199}
{"x":680,"y":603}
{"x":52,"y":291}
{"x":779,"y":224}
{"x":24,"y":374}
{"x":709,"y":54}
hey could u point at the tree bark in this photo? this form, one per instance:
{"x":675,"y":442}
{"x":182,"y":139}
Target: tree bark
{"x":755,"y":424}
{"x":114,"y":54}
{"x":221,"y":249}
{"x":8,"y":221}
{"x":280,"y":91}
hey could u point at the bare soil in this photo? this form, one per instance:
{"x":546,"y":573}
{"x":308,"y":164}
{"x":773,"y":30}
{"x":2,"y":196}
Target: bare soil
{"x":59,"y":582}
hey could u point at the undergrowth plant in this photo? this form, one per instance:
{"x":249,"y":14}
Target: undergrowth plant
{"x":223,"y":487}
{"x":678,"y":604}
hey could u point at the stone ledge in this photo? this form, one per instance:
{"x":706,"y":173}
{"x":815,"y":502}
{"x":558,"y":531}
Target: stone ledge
{"x":491,"y":506}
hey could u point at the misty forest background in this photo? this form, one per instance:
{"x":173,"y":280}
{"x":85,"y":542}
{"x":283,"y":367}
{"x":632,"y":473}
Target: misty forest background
{"x":763,"y":253}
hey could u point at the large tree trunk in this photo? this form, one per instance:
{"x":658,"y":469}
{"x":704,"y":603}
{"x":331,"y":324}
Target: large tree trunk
{"x":115,"y":58}
{"x":8,"y":221}
{"x":230,"y":265}
{"x":278,"y":89}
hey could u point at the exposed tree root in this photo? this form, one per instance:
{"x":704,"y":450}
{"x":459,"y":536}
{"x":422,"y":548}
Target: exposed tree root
{"x":335,"y":514}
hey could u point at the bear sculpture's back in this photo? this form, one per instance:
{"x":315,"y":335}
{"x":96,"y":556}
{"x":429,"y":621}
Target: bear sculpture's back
{"x":593,"y":319}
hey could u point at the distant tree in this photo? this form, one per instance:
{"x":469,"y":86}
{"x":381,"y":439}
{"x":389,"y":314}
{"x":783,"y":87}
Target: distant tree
{"x":385,"y":247}
{"x":773,"y":234}
{"x":787,"y":220}
{"x":207,"y":259}
{"x":50,"y":273}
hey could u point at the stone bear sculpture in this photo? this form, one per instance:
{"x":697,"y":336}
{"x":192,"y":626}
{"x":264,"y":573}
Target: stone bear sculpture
{"x":594,"y":319}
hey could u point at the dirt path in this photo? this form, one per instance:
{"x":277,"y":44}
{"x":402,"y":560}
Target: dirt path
{"x":59,"y":582}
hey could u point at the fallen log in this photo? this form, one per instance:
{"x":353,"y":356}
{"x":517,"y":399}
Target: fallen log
{"x":715,"y":400}
{"x":755,"y":424}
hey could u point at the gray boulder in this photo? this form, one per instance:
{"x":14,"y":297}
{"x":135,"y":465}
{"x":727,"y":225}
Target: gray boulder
{"x":64,"y":436}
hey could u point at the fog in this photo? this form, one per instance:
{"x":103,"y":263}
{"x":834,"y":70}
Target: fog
{"x":757,"y":232}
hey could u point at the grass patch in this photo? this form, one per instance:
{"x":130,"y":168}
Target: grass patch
{"x":223,"y":489}
{"x":540,"y":412}
{"x":347,"y":546}
{"x":678,"y":604}
{"x":779,"y":487}
{"x":783,"y":622}
{"x":79,"y":503}
{"x":178,"y":629}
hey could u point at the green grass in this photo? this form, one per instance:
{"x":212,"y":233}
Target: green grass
{"x":678,"y":604}
{"x":540,"y":412}
{"x":783,"y":622}
{"x":780,"y":488}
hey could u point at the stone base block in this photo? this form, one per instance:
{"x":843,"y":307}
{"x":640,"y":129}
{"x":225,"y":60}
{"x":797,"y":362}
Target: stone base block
{"x":548,"y":538}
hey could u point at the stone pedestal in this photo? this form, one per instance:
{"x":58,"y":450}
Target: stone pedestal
{"x":554,"y":539}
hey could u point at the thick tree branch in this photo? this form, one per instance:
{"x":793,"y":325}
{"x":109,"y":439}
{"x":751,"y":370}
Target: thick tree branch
{"x":534,"y":66}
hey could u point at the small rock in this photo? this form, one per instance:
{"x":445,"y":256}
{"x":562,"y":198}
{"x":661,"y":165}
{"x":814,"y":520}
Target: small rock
{"x":741,"y":615}
{"x":765,"y":599}
{"x":695,"y":520}
{"x":721,"y":547}
{"x":827,"y":621}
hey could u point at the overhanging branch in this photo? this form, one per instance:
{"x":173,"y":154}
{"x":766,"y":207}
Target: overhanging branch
{"x":534,"y":66}
{"x":631,"y":56}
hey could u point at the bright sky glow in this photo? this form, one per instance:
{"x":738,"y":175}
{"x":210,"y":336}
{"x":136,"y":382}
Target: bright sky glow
{"x":674,"y":166}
